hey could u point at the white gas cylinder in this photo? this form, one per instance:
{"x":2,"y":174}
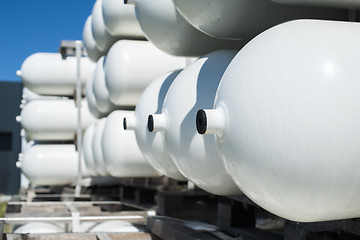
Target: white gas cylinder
{"x":195,"y":155}
{"x":244,"y":19}
{"x":164,"y":26}
{"x":29,"y":95}
{"x":120,"y":20}
{"x":92,"y":51}
{"x":131,"y":65}
{"x":286,"y":120}
{"x":97,"y":148}
{"x":88,"y":150}
{"x":47,"y":120}
{"x":102,"y":38}
{"x":101,"y":94}
{"x":52,"y":164}
{"x":90,"y":98}
{"x":152,"y":144}
{"x":350,"y":4}
{"x":118,"y":226}
{"x":38,"y":227}
{"x":49,"y":74}
{"x":121,"y":153}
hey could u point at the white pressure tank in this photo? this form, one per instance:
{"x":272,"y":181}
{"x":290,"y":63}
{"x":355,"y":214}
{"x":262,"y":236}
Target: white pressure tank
{"x":350,"y":4}
{"x":195,"y":155}
{"x":49,"y":74}
{"x":131,"y":65}
{"x":286,"y":120}
{"x":152,"y":145}
{"x":90,"y":98}
{"x":118,"y":226}
{"x":52,"y":164}
{"x":164,"y":26}
{"x":97,"y":148}
{"x":121,"y":152}
{"x":88,"y":150}
{"x":102,"y":38}
{"x":244,"y":19}
{"x":120,"y":20}
{"x":38,"y":227}
{"x":93,"y":52}
{"x":29,"y":95}
{"x":101,"y":93}
{"x":47,"y":120}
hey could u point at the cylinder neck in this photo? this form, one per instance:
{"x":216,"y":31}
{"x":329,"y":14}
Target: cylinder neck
{"x":157,"y":122}
{"x":129,"y":123}
{"x":132,"y":2}
{"x":210,"y":121}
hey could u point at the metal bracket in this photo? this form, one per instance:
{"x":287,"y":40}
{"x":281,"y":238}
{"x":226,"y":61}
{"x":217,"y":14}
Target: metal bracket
{"x":68,"y":48}
{"x":75,"y":214}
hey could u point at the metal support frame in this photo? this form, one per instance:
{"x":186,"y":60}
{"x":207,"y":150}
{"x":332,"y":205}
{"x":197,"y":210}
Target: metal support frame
{"x":78,"y":51}
{"x":71,"y":219}
{"x":71,"y":48}
{"x":76,"y":214}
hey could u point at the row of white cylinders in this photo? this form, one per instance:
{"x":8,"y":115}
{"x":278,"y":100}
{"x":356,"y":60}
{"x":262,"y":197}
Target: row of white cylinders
{"x":194,"y":28}
{"x":281,"y":142}
{"x":277,"y":134}
{"x":90,"y":227}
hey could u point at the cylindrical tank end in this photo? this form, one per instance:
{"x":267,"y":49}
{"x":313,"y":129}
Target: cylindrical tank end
{"x":18,"y":118}
{"x":129,"y":123}
{"x":210,"y":121}
{"x":22,"y":132}
{"x":156,"y":122}
{"x":18,"y":164}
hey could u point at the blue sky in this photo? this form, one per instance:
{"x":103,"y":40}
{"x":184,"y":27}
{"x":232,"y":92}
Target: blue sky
{"x":30,"y":26}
